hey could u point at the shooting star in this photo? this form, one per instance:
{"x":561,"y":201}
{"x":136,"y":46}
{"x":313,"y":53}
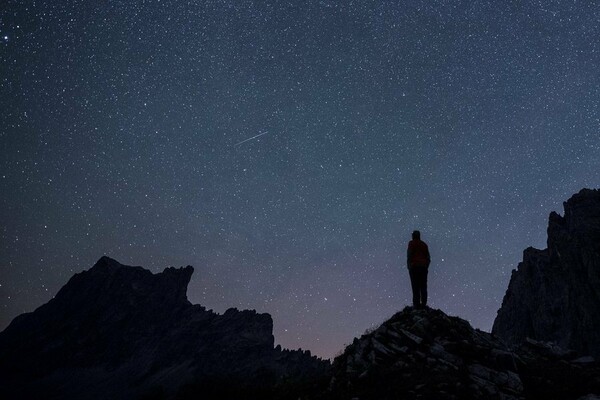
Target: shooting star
{"x":253,"y":137}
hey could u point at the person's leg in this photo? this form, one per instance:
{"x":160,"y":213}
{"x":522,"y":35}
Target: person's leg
{"x":419,"y":286}
{"x":424,"y":287}
{"x":414,"y":279}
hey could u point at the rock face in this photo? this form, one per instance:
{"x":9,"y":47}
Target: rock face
{"x":121,"y":332}
{"x":554,"y":295}
{"x":425,"y":354}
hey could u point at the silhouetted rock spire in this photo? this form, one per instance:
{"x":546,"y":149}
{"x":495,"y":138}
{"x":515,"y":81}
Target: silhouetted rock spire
{"x":554,"y":295}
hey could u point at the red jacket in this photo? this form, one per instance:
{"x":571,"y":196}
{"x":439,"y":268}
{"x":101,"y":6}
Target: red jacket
{"x":417,"y":254}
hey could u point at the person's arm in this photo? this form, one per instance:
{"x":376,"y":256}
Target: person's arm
{"x":428,"y":257}
{"x":408,"y":255}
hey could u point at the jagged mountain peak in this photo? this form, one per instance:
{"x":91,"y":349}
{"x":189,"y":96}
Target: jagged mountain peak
{"x":120,"y":332}
{"x":553,"y":293}
{"x":581,"y":216}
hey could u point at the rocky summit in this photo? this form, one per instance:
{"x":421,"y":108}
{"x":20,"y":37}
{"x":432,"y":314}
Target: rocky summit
{"x":554,"y":295}
{"x":425,"y":354}
{"x":121,"y":332}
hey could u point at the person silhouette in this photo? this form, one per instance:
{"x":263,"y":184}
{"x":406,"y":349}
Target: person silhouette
{"x":417,"y":261}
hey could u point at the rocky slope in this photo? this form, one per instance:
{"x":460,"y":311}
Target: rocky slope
{"x":121,"y":332}
{"x":554,"y":295}
{"x":425,"y":354}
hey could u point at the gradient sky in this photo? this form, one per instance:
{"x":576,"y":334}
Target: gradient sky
{"x":287,"y":151}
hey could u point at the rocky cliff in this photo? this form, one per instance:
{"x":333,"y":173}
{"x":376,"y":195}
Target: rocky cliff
{"x":425,"y":354}
{"x":554,"y":295}
{"x":121,"y":332}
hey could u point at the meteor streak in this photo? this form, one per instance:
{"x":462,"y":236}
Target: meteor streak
{"x":253,"y":137}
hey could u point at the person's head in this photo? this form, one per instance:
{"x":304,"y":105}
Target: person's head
{"x":416,"y":235}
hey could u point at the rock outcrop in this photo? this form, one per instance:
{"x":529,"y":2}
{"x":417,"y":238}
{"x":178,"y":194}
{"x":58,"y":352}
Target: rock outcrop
{"x":121,"y":332}
{"x":425,"y":354}
{"x":554,"y":295}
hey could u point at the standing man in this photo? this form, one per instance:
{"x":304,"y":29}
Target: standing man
{"x":418,"y":260}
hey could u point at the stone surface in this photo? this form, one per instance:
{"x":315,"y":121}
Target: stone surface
{"x":425,"y":354}
{"x":554,"y":295}
{"x":121,"y":332}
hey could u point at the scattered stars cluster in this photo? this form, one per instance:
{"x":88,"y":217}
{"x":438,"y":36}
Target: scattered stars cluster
{"x":288,"y":149}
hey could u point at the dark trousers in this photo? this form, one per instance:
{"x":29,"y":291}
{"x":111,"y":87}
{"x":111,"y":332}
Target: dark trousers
{"x":418,"y":281}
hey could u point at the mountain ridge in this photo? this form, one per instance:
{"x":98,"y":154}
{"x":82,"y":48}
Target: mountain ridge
{"x":123,"y":332}
{"x":125,"y":325}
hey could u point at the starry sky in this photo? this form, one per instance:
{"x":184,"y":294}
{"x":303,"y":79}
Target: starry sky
{"x":288,"y":149}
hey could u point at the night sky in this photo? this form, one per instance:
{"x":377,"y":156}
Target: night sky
{"x":287,"y":151}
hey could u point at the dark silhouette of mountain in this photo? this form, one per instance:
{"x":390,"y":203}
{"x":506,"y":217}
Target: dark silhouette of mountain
{"x":121,"y":332}
{"x":554,"y":295}
{"x":425,"y":354}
